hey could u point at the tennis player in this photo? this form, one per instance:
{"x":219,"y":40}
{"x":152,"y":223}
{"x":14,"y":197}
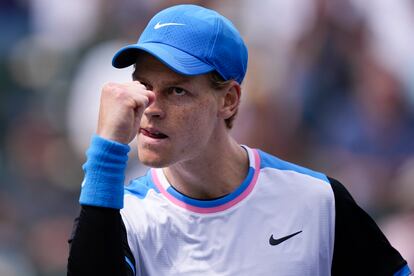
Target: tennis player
{"x":207,"y":206}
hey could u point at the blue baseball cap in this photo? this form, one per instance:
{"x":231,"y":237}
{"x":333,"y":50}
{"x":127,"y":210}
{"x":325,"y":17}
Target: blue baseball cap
{"x":191,"y":40}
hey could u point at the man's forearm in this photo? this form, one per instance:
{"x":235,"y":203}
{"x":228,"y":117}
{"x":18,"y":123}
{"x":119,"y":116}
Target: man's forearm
{"x":98,"y":245}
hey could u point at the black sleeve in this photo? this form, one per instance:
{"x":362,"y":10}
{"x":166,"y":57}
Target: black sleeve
{"x":98,"y":245}
{"x":360,"y":247}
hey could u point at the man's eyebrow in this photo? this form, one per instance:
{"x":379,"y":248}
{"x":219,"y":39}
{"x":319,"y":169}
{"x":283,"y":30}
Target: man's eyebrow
{"x":172,"y":82}
{"x":176,"y":81}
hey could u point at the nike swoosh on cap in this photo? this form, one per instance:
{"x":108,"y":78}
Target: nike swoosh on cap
{"x":160,"y":25}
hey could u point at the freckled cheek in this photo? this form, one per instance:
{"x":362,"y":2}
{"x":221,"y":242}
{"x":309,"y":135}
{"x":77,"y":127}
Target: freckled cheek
{"x":194,"y":121}
{"x":186,"y":121}
{"x":203,"y":121}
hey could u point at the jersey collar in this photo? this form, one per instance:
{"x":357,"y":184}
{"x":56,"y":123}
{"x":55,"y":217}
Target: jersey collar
{"x":215,"y":205}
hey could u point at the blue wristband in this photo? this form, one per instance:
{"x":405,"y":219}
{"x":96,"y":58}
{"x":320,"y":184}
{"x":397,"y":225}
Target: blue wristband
{"x":103,"y":185}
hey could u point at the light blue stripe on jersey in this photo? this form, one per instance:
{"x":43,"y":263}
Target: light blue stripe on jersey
{"x":130,"y":264}
{"x":103,"y":185}
{"x":139,"y":187}
{"x":403,"y":271}
{"x":269,"y":161}
{"x":214,"y":202}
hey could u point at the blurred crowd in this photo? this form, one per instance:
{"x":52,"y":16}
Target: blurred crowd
{"x":330,"y":86}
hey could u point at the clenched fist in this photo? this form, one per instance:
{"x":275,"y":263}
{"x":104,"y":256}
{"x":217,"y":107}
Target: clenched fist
{"x":121,"y":108}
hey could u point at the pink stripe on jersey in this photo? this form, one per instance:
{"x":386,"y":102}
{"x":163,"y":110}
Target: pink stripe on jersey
{"x":206,"y":210}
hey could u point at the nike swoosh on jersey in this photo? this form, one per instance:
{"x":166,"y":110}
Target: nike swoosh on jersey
{"x":160,"y":25}
{"x":273,"y":241}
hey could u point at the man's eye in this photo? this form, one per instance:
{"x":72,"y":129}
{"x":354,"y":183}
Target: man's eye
{"x":178,"y":91}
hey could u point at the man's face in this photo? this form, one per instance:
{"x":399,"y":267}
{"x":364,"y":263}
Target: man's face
{"x":181,"y":123}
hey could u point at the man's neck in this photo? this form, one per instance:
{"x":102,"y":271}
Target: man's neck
{"x":217,"y":172}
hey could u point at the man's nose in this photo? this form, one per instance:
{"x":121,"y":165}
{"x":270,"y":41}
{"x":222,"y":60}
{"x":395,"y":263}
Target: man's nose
{"x":155,"y":109}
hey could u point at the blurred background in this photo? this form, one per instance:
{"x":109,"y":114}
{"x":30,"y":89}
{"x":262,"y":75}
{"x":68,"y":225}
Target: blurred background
{"x":330,"y":86}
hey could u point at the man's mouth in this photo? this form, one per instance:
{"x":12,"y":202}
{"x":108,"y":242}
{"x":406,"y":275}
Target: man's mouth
{"x":153,"y":133}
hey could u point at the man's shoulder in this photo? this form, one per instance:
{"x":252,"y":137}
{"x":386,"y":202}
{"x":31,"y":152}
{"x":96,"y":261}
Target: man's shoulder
{"x":139,"y":187}
{"x":280,"y":177}
{"x":269,"y":161}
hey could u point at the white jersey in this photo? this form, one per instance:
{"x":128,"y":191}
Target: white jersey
{"x":279,"y":221}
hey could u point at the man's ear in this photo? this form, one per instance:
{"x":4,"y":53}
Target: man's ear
{"x":230,"y":100}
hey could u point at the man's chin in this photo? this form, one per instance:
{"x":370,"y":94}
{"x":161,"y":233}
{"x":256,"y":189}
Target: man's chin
{"x":153,"y":161}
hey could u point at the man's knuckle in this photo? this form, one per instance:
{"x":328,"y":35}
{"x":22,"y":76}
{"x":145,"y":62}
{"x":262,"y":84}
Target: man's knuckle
{"x":119,"y":94}
{"x":108,"y":86}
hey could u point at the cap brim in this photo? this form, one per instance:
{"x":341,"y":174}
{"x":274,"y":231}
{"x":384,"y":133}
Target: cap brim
{"x":177,"y":60}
